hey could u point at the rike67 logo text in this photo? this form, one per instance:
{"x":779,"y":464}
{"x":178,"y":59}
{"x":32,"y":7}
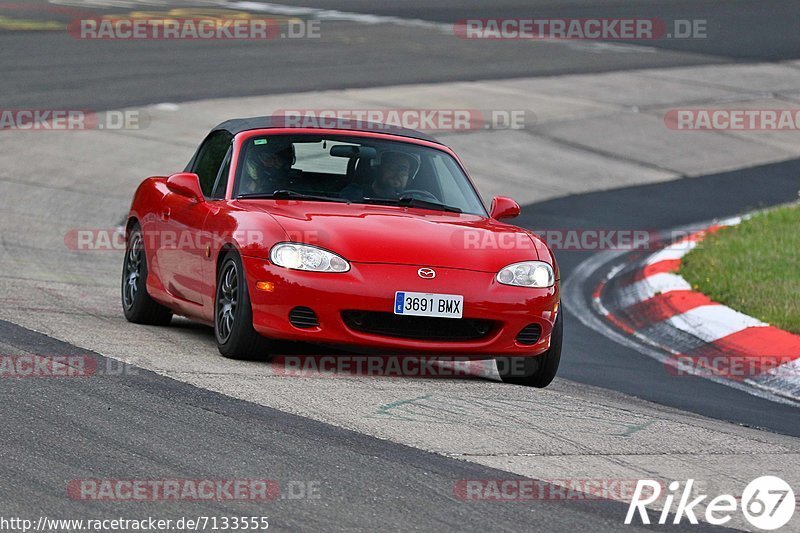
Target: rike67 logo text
{"x":767,"y":503}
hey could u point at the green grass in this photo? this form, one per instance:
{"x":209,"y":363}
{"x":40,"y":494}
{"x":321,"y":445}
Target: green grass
{"x":753,"y":267}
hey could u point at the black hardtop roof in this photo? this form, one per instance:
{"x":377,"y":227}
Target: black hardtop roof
{"x":238,"y":125}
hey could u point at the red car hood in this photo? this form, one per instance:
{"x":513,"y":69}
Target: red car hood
{"x":396,"y":235}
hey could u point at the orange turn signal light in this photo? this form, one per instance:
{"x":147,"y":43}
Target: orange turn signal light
{"x":267,"y":286}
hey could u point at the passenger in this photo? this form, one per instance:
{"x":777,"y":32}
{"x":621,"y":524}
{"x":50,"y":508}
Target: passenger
{"x":393,"y":174}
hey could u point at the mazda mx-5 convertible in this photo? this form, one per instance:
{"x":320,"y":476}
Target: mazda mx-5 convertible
{"x":368,"y":238}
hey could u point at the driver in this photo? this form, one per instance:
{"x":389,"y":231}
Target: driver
{"x":395,"y":169}
{"x":267,"y":168}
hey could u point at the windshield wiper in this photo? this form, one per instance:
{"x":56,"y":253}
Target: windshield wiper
{"x":285,"y":194}
{"x":410,"y":201}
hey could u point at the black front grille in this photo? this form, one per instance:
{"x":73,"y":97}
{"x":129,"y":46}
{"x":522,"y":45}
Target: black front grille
{"x":303,"y":318}
{"x":418,"y":327}
{"x":529,"y":334}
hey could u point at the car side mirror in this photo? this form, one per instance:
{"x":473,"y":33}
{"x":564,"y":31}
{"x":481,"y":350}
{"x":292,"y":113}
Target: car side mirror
{"x":503,"y":208}
{"x":186,"y":184}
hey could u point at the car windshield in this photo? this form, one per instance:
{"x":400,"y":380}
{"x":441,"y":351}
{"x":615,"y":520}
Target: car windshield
{"x":341,"y":168}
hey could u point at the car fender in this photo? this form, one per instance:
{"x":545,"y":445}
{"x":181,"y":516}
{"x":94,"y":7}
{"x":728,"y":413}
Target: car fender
{"x":250,"y":234}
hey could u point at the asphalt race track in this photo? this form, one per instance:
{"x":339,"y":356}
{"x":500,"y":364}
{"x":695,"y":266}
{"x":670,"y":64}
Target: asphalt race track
{"x":154,"y":427}
{"x":365,"y":453}
{"x":103,"y":75}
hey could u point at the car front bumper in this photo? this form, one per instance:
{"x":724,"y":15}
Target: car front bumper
{"x":371,"y":287}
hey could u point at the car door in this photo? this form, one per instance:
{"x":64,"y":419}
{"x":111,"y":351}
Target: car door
{"x":213,"y":229}
{"x":183,"y":241}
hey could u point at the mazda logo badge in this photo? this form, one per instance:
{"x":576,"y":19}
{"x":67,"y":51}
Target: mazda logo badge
{"x":426,"y":273}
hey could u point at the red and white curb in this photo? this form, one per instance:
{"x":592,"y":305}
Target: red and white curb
{"x":649,"y":300}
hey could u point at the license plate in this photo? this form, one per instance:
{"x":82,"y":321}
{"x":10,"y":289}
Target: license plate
{"x":425,"y":304}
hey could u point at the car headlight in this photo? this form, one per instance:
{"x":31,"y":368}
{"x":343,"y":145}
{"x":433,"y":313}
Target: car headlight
{"x":527,"y":274}
{"x":304,"y":257}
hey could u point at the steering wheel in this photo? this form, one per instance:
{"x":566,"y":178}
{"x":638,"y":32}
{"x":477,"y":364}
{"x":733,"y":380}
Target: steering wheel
{"x":419,"y":194}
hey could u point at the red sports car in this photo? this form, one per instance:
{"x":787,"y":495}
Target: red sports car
{"x":361,"y":236}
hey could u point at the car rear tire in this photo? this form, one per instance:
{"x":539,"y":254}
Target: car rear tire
{"x":233,"y":314}
{"x":538,"y":371}
{"x":137,"y":304}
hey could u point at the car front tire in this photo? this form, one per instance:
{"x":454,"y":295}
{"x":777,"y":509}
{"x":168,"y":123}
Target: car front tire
{"x":233,"y":314}
{"x":538,"y":371}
